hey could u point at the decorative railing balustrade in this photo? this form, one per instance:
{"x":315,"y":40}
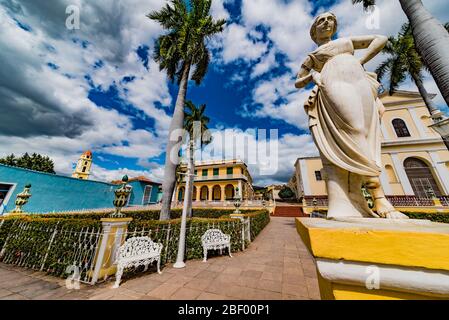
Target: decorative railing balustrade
{"x":320,"y":201}
{"x":397,"y":201}
{"x":444,"y":201}
{"x":226,"y":204}
{"x":410,"y":201}
{"x":199,"y":178}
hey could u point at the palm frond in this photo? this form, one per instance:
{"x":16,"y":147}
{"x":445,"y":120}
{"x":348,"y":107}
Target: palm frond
{"x":383,"y":68}
{"x":366,"y":3}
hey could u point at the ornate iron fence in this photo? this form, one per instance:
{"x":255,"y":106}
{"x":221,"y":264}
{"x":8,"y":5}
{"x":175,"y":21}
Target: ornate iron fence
{"x":410,"y":201}
{"x":55,"y":249}
{"x":444,"y":201}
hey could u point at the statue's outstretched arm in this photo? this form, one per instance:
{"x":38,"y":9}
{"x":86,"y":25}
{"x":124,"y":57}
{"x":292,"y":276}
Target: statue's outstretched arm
{"x":374,"y":44}
{"x":304,"y":76}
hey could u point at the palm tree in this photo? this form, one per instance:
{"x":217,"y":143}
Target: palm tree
{"x":189,"y":26}
{"x":195,"y":122}
{"x":403,"y":60}
{"x":431,"y":38}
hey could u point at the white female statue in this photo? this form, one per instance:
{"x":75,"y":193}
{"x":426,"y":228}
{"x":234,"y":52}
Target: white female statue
{"x":344,"y":118}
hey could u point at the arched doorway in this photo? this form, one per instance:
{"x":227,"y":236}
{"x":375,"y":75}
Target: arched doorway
{"x":421,"y":178}
{"x":181,"y":193}
{"x":194,"y":194}
{"x":216,"y":193}
{"x":204,"y":193}
{"x":229,"y":192}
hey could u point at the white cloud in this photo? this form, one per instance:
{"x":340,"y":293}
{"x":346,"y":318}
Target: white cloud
{"x":237,"y":44}
{"x":59,"y":119}
{"x":267,"y":63}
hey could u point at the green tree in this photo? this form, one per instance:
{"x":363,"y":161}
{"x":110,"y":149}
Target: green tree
{"x":431,"y":39}
{"x":10,"y":160}
{"x":34,"y":162}
{"x":403,"y":60}
{"x":286,"y":193}
{"x":189,"y":26}
{"x":196,"y":124}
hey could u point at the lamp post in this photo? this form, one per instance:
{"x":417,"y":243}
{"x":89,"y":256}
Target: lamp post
{"x":182,"y":234}
{"x":21,"y":200}
{"x":121,"y":198}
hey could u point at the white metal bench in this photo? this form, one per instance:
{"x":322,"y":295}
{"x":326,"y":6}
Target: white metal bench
{"x":135,"y":252}
{"x":214,"y":239}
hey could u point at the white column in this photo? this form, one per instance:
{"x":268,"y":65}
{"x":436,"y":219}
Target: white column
{"x":402,"y":175}
{"x":385,"y":183}
{"x":441,"y":171}
{"x":240,"y":190}
{"x":418,"y":123}
{"x":305,"y":177}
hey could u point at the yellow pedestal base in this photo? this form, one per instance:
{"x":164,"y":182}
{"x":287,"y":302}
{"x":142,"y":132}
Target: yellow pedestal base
{"x":412,"y":256}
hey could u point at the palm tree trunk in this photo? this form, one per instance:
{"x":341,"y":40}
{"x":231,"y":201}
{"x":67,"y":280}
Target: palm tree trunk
{"x":432,"y":42}
{"x":425,"y":95}
{"x":172,"y":150}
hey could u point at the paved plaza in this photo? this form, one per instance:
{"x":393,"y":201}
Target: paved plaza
{"x":276,"y":266}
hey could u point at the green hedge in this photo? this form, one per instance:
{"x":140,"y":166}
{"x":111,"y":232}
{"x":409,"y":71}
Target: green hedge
{"x":259,"y":221}
{"x":25,"y":242}
{"x":435,"y":217}
{"x":143,"y":214}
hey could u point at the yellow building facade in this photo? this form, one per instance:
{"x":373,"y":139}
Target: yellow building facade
{"x":218,"y":181}
{"x":83,"y":166}
{"x":415,"y":158}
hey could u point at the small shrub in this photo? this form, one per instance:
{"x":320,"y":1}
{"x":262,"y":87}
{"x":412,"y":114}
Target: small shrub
{"x":435,"y":217}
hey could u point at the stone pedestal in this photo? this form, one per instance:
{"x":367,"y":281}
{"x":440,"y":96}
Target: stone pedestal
{"x":378,"y":258}
{"x":113,"y":236}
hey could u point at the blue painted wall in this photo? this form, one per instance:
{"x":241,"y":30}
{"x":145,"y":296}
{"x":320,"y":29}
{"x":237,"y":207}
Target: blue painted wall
{"x":138,"y":190}
{"x":60,"y":193}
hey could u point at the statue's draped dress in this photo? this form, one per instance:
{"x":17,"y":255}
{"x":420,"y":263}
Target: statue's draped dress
{"x":344,"y":112}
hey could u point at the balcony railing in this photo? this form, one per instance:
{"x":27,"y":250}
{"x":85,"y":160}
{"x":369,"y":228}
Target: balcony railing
{"x":225,"y":204}
{"x":396,"y":201}
{"x":199,"y":178}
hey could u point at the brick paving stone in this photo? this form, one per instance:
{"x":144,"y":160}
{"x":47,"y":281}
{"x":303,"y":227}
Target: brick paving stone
{"x":199,"y":284}
{"x":143,"y":286}
{"x":270,"y":285}
{"x":186,"y":294}
{"x":211,"y":296}
{"x":164,"y":291}
{"x":271,"y":276}
{"x":248,"y":282}
{"x":252,"y":274}
{"x":207,"y":275}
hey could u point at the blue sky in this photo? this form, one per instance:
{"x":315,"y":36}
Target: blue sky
{"x":65,"y":91}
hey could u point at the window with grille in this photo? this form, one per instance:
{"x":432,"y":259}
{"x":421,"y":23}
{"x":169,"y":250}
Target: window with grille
{"x":400,"y":128}
{"x":215,"y":171}
{"x":147,"y":195}
{"x":421,"y":178}
{"x":204,"y":172}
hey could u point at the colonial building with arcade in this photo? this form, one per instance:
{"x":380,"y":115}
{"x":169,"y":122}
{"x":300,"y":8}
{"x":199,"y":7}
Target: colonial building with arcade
{"x":217,"y":181}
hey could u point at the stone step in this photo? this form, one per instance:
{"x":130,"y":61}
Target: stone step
{"x":288,"y":211}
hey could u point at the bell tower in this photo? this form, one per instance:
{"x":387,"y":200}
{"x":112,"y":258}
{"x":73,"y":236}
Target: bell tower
{"x":83,"y":166}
